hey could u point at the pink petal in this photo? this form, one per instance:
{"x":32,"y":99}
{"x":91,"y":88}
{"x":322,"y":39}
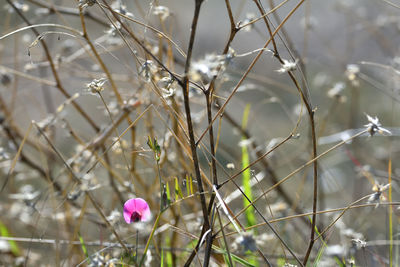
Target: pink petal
{"x":139,"y":206}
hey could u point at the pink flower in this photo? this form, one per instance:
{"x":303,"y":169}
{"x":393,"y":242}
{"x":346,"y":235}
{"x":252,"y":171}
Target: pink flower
{"x":136,"y":209}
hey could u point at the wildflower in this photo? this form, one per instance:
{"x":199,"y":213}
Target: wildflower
{"x":162,"y":11}
{"x":20,"y":6}
{"x":287,"y":66}
{"x":147,"y":70}
{"x":136,"y":209}
{"x":230,"y":165}
{"x":336,"y":92}
{"x":113,"y":35}
{"x":211,"y":65}
{"x":119,"y":145}
{"x":114,"y":217}
{"x":117,"y":6}
{"x":309,"y":23}
{"x":249,"y":18}
{"x":96,"y":86}
{"x":352,"y":71}
{"x":86,"y":3}
{"x":377,"y":196}
{"x":3,"y":154}
{"x":374,"y":126}
{"x":246,"y":242}
{"x":245,"y":142}
{"x":359,"y":243}
{"x":168,"y":86}
{"x":5,"y":78}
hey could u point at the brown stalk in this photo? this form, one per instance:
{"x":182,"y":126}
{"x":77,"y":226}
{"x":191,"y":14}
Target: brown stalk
{"x":54,"y":70}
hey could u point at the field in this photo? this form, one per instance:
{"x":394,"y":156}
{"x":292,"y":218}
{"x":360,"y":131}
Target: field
{"x":199,"y":133}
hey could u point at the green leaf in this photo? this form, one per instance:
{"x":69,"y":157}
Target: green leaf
{"x":168,"y":193}
{"x":189,"y":185}
{"x":162,"y":258}
{"x":246,"y":175}
{"x":83,"y":246}
{"x":155,"y":147}
{"x":234,"y":257}
{"x":13,"y":245}
{"x":178,"y":190}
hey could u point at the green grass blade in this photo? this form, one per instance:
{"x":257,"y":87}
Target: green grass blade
{"x":246,"y":176}
{"x":178,"y":190}
{"x":390,"y":214}
{"x":235,"y":258}
{"x":84,"y":249}
{"x":168,"y":193}
{"x":13,"y":245}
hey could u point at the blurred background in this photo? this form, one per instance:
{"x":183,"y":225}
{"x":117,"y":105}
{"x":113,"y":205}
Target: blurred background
{"x":99,"y":114}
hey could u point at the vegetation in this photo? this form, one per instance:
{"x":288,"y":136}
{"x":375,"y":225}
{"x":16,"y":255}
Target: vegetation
{"x":197,"y":133}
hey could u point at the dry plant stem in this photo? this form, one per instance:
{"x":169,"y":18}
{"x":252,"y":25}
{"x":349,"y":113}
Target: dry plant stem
{"x":98,"y":58}
{"x":185,"y":89}
{"x":143,"y":46}
{"x":210,"y":237}
{"x":29,"y":162}
{"x":290,"y":46}
{"x":209,"y":99}
{"x":257,"y":160}
{"x":303,"y":166}
{"x":54,"y":70}
{"x":113,"y":86}
{"x":310,"y":112}
{"x":340,"y":215}
{"x":88,"y":194}
{"x":67,"y":11}
{"x":313,"y":137}
{"x":224,"y":238}
{"x":246,"y":73}
{"x":264,"y":161}
{"x":270,"y":227}
{"x":352,"y":206}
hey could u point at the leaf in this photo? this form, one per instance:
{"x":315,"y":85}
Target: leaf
{"x":235,"y":258}
{"x":155,"y":147}
{"x":168,"y":194}
{"x":13,"y":245}
{"x":178,"y":191}
{"x":83,"y":246}
{"x":246,"y":175}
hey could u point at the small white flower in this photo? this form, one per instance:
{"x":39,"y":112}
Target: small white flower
{"x":377,"y":196}
{"x":360,"y":243}
{"x":147,"y":70}
{"x":352,"y":71}
{"x":374,"y":126}
{"x":287,"y":66}
{"x":96,"y":86}
{"x":230,"y":165}
{"x":86,"y":3}
{"x":162,"y":11}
